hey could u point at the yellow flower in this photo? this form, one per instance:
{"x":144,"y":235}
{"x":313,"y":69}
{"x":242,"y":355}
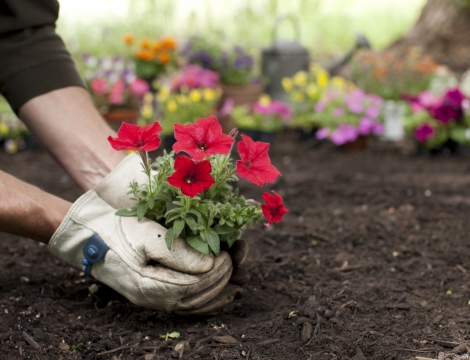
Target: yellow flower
{"x":316,"y":69}
{"x":4,"y":129}
{"x":147,"y":111}
{"x":264,"y":100}
{"x":195,"y":95}
{"x":322,"y":79}
{"x":312,"y":91}
{"x":148,"y":97}
{"x":287,"y":84}
{"x":338,"y":82}
{"x":182,"y":99}
{"x":209,"y":94}
{"x":300,"y":79}
{"x":163,"y":94}
{"x":171,"y":106}
{"x":299,"y":96}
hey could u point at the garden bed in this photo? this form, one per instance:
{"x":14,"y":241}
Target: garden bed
{"x":371,"y":262}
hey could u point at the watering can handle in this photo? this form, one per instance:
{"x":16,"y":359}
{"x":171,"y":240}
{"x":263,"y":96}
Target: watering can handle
{"x":280,"y":19}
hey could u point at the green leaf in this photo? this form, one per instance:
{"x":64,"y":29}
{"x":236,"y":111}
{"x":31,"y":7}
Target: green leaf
{"x":212,"y":239}
{"x":142,"y":209}
{"x":197,"y":243}
{"x":223,"y":228}
{"x":178,"y":226}
{"x":174,"y":335}
{"x":126,"y":212}
{"x":151,"y":201}
{"x":169,"y":237}
{"x":76,"y":347}
{"x":192,"y":223}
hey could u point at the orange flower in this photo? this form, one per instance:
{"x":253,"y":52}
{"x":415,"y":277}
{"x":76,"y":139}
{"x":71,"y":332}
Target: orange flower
{"x":399,"y":66}
{"x":427,"y":65}
{"x":169,"y":43}
{"x":145,"y":43}
{"x":145,"y":54}
{"x":158,"y":46}
{"x":380,"y":72}
{"x":369,"y":57}
{"x":128,"y":38}
{"x":388,"y":58}
{"x":164,"y":57}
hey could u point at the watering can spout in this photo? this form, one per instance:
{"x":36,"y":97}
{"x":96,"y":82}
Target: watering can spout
{"x":360,"y":43}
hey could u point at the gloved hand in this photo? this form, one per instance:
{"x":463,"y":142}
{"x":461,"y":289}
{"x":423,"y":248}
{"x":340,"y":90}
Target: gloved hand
{"x":138,"y":264}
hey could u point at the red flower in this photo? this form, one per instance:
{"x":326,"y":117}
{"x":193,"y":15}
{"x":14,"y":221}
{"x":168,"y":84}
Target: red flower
{"x":202,"y":139}
{"x":255,"y":164}
{"x":191,"y":177}
{"x":274,"y":209}
{"x":136,"y":138}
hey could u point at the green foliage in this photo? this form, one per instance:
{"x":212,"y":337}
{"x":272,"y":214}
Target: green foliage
{"x":206,"y":220}
{"x":76,"y":347}
{"x":246,"y":119}
{"x":170,"y":336}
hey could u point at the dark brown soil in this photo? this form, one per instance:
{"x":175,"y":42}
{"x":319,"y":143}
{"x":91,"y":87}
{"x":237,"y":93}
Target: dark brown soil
{"x":370,"y":263}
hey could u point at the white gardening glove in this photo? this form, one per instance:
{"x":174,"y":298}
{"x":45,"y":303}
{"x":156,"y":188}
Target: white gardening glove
{"x":138,"y":263}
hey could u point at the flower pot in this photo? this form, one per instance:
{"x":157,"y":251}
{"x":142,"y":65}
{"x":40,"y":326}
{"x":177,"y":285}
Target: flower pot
{"x":241,"y":95}
{"x":116,"y":117}
{"x":393,"y":119}
{"x":359,"y":144}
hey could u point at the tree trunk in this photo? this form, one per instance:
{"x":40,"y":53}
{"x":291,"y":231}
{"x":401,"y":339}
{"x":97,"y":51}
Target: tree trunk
{"x":443,"y":32}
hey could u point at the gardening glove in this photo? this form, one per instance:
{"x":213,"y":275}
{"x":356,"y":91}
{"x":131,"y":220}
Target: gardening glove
{"x":114,"y":190}
{"x":132,"y":258}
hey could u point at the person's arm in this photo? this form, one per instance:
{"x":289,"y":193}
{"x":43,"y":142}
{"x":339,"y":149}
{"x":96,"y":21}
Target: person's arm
{"x":28,"y":211}
{"x":71,"y":129}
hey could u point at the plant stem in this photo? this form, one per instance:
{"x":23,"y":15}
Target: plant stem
{"x":145,"y":160}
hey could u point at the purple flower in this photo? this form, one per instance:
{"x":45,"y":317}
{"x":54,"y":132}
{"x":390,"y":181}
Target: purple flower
{"x":338,"y":112}
{"x":454,"y":97}
{"x":322,"y":133}
{"x":319,"y":106}
{"x":344,"y":133}
{"x":372,"y":112}
{"x":445,"y":113}
{"x":194,"y":76}
{"x":365,"y":126}
{"x":378,"y":128}
{"x":227,"y":107}
{"x":424,"y":132}
{"x":281,"y":109}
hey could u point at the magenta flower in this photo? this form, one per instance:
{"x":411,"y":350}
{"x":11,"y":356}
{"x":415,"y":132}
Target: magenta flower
{"x":281,"y":109}
{"x":193,"y":77}
{"x":344,"y":133}
{"x":454,"y":97}
{"x":338,"y":112}
{"x":372,"y":112}
{"x":139,"y":87}
{"x":365,"y":126}
{"x":322,"y":133}
{"x":424,"y":132}
{"x":444,"y":113}
{"x":378,"y":128}
{"x":99,"y":86}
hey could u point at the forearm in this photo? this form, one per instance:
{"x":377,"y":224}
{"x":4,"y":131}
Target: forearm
{"x":71,"y":129}
{"x":28,"y":211}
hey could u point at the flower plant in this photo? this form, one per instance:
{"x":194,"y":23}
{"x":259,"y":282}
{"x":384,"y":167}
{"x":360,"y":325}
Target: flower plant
{"x":235,"y":67}
{"x":152,"y":58}
{"x":113,"y":82}
{"x":344,"y":116}
{"x":305,"y":89}
{"x":184,"y":105}
{"x":191,"y":194}
{"x":195,"y":77}
{"x":435,"y":119}
{"x":384,"y":74}
{"x":265,"y":115}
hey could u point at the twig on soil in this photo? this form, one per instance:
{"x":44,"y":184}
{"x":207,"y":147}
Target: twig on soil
{"x":270,"y":241}
{"x":269,"y":342}
{"x":418,"y":350}
{"x":450,"y":344}
{"x":117,"y":349}
{"x":31,"y":342}
{"x":423,"y":358}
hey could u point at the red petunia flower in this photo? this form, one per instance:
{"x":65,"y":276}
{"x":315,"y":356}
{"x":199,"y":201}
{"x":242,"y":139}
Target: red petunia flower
{"x":136,"y":138}
{"x":255,"y":164}
{"x":274,"y":209}
{"x":202,"y":139}
{"x":191,"y":177}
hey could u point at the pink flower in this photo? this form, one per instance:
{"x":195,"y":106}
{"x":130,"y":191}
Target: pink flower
{"x":99,"y":86}
{"x":344,"y":133}
{"x":227,"y":107}
{"x":319,"y":106}
{"x":281,"y":109}
{"x":139,"y":87}
{"x":424,"y":132}
{"x":322,"y":133}
{"x":116,"y":96}
{"x":338,"y":112}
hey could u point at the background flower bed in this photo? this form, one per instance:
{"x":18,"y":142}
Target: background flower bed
{"x":375,"y":236}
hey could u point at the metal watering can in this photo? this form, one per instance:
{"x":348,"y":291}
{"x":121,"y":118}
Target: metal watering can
{"x":283,"y":58}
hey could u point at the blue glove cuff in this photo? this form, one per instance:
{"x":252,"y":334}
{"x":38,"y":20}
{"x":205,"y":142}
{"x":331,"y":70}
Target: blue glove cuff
{"x":93,"y":251}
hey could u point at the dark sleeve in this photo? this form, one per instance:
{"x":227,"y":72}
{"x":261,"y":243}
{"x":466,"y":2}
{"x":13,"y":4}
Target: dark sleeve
{"x":33,"y":58}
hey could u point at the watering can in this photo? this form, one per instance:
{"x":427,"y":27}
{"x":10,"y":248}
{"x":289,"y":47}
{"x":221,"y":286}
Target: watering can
{"x":360,"y":43}
{"x":283,"y":58}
